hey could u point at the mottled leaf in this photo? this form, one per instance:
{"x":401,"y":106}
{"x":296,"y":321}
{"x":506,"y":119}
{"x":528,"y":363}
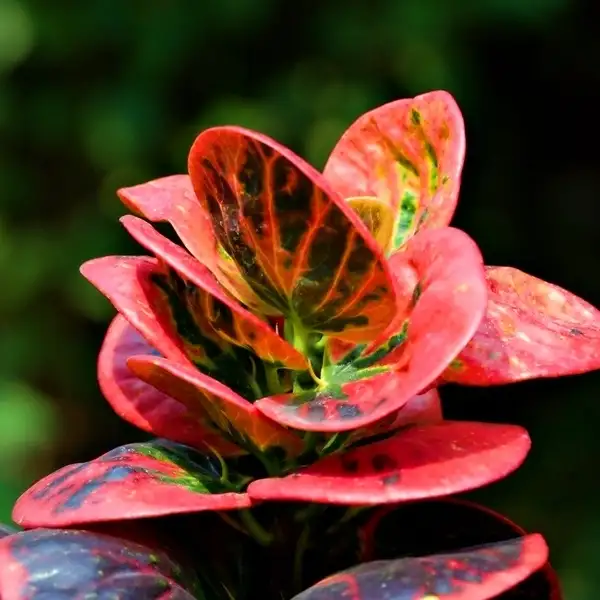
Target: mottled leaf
{"x":301,"y":248}
{"x":168,"y":312}
{"x":229,"y":319}
{"x":421,"y":461}
{"x":408,"y":153}
{"x":44,"y":564}
{"x":215,"y":405}
{"x":444,"y":526}
{"x":475,"y":574}
{"x":531,"y":329}
{"x":441,"y":300}
{"x":143,"y":405}
{"x":377,"y":215}
{"x":172,"y":199}
{"x":133,"y":481}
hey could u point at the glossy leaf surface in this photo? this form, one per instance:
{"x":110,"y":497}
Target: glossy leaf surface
{"x":133,"y":481}
{"x":531,"y":329}
{"x":143,"y":405}
{"x":301,"y":248}
{"x":172,"y":199}
{"x":54,"y":564}
{"x":224,"y":315}
{"x":418,"y":462}
{"x":445,"y":526}
{"x":164,"y":308}
{"x":215,"y":406}
{"x":408,"y":153}
{"x":441,"y":300}
{"x":476,"y":574}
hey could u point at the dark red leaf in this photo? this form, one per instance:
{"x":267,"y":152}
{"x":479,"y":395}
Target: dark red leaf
{"x":225,"y":315}
{"x":54,"y":563}
{"x":423,"y":461}
{"x":133,"y":481}
{"x":143,"y":405}
{"x":301,"y":248}
{"x":475,"y":574}
{"x":172,"y":199}
{"x":531,"y":329}
{"x":212,"y":402}
{"x":442,"y":297}
{"x":408,"y":153}
{"x":445,"y":526}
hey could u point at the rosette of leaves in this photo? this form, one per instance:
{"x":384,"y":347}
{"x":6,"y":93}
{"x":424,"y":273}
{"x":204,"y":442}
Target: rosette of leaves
{"x":288,"y":350}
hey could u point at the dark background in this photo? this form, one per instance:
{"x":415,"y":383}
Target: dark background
{"x":105,"y":93}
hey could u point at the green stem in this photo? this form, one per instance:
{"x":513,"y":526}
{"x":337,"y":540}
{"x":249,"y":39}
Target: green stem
{"x":301,"y":548}
{"x":255,"y":529}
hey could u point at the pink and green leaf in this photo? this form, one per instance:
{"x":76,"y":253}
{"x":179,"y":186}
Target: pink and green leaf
{"x":145,"y":406}
{"x":164,"y":308}
{"x":172,"y":199}
{"x":442,"y":296}
{"x":134,"y":481}
{"x":421,"y":461}
{"x":531,"y":329}
{"x":408,"y":153}
{"x":215,"y":406}
{"x":225,"y":316}
{"x":475,"y":574}
{"x":55,"y":563}
{"x":301,"y":248}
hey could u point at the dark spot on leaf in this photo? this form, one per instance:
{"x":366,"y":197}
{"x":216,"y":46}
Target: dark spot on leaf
{"x":315,"y":412}
{"x":350,"y":464}
{"x":383,"y":462}
{"x":576,"y":331}
{"x":348,"y":411}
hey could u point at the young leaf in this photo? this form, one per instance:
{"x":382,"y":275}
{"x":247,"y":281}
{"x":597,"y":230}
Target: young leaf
{"x":165,"y":309}
{"x":531,"y":329}
{"x":55,"y":563}
{"x":299,"y":246}
{"x":133,"y":481}
{"x":474,"y":574}
{"x":229,"y":319}
{"x":421,"y":461}
{"x":442,"y":296}
{"x":408,"y":153}
{"x":172,"y":199}
{"x":145,"y":406}
{"x":215,"y":405}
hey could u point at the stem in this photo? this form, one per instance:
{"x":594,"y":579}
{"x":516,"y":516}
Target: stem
{"x":255,"y":529}
{"x":301,"y":548}
{"x":299,"y":337}
{"x":231,"y":522}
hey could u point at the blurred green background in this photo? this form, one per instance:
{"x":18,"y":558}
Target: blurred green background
{"x":100,"y":94}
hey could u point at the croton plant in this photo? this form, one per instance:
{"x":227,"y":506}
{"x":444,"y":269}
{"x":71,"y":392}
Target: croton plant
{"x":287,"y":355}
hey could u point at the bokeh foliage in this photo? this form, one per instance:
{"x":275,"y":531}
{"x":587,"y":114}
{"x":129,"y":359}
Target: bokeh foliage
{"x":105,"y":93}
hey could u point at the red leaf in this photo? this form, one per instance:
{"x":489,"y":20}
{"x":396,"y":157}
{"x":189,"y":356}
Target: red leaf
{"x":442,"y":297}
{"x":476,"y":574}
{"x":164,"y":309}
{"x":421,"y":409}
{"x":531,"y":329}
{"x":408,"y":153}
{"x":143,"y":405}
{"x":134,"y":481}
{"x":51,"y":563}
{"x":301,"y":248}
{"x":212,"y":402}
{"x":172,"y":199}
{"x":420,"y":462}
{"x":226,"y":316}
{"x":127,"y":282}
